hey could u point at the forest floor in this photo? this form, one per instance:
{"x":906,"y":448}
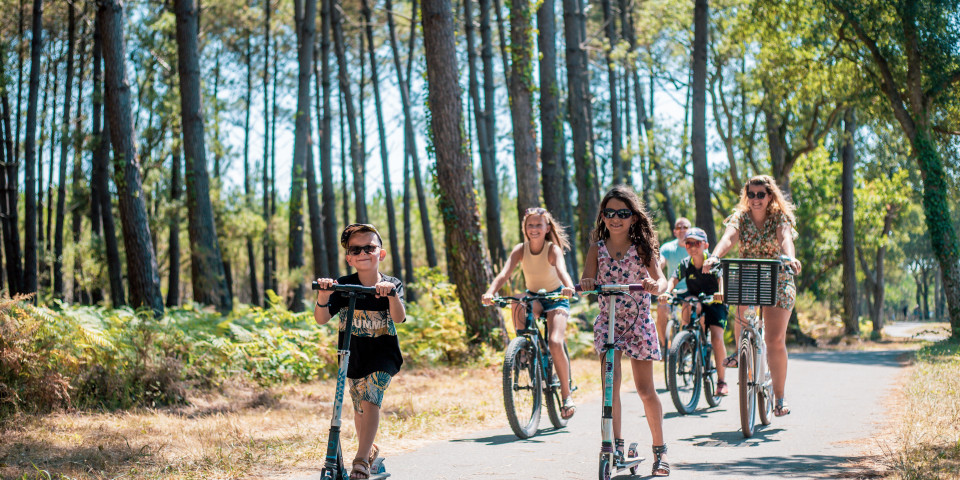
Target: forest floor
{"x":248,"y":433}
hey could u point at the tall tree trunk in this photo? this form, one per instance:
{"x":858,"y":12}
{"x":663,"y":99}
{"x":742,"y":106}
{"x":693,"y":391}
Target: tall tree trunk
{"x":173,"y":281}
{"x":701,"y":171}
{"x":578,"y":85}
{"x":141,"y":262}
{"x":267,"y":242}
{"x":318,"y":237}
{"x":488,"y":165}
{"x":30,"y":156}
{"x":331,"y":231}
{"x":851,"y":316}
{"x":8,"y":203}
{"x":491,"y":187}
{"x":79,"y":294}
{"x":397,"y":262}
{"x":64,"y":144}
{"x":275,"y":109}
{"x":356,"y":154}
{"x":99,"y":184}
{"x":248,"y":174}
{"x":343,"y":169}
{"x":552,"y":159}
{"x":521,"y":107}
{"x":610,"y":28}
{"x":469,"y":267}
{"x":306,"y":12}
{"x":207,"y":275}
{"x":43,"y":244}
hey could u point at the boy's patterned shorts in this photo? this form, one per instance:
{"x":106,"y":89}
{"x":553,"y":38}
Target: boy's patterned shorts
{"x":369,"y":388}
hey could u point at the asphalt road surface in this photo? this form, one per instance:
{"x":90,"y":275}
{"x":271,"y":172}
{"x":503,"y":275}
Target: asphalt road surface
{"x":837,"y":400}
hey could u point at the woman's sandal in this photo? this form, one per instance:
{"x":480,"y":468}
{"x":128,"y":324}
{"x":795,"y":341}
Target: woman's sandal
{"x":781,"y":408}
{"x":361,"y":468}
{"x":731,"y":361}
{"x":568,"y":409}
{"x":660,"y":466}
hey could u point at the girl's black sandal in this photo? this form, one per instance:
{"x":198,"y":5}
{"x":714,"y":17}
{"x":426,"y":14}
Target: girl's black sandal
{"x":660,"y":466}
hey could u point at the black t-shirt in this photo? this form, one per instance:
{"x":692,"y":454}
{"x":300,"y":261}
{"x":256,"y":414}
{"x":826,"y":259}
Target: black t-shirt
{"x":697,"y":281}
{"x":373,"y":343}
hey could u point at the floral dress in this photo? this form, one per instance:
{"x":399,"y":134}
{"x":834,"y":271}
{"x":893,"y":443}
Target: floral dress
{"x":762,"y":243}
{"x":635,"y":332}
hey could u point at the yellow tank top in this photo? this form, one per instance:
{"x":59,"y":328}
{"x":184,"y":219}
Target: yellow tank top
{"x":537,"y":271}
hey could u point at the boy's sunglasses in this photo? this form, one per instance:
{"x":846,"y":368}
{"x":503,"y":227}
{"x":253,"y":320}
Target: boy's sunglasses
{"x":354,"y":251}
{"x":622,"y":213}
{"x":760,"y":195}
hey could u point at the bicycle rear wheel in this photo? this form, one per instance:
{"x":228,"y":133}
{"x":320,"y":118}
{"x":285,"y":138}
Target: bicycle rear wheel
{"x":765,"y":394}
{"x":521,"y":387}
{"x":710,"y":376}
{"x":684,"y":366}
{"x":554,"y":394}
{"x":748,"y":387}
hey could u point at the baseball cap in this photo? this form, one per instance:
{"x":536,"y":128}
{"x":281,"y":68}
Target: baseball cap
{"x":696,"y":234}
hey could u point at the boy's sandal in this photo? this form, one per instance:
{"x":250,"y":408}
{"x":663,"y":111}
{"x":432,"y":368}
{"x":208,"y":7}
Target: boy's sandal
{"x":569,"y":408}
{"x":731,"y":361}
{"x":660,"y":466}
{"x":781,"y":408}
{"x":722,"y":389}
{"x":361,"y":468}
{"x":374,"y":453}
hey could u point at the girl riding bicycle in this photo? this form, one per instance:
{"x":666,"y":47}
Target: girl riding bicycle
{"x":541,"y":258}
{"x":763,"y":224}
{"x":626,"y":252}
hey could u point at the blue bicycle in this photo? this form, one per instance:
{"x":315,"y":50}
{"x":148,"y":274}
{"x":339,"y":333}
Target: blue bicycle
{"x":690,"y":362}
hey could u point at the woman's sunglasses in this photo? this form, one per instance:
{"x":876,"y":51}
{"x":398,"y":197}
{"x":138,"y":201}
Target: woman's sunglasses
{"x":622,"y":213}
{"x":354,"y":251}
{"x":760,"y":195}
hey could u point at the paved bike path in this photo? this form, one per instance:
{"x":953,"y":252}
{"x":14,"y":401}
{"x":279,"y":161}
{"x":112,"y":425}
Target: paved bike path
{"x":836,"y":397}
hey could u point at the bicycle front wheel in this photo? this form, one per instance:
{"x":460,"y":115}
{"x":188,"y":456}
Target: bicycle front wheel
{"x":764,"y":393}
{"x":521,"y":387}
{"x":684,"y":366}
{"x":748,"y":386}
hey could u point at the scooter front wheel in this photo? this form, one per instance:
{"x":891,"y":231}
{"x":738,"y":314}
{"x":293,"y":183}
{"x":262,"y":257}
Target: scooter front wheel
{"x":606,"y":470}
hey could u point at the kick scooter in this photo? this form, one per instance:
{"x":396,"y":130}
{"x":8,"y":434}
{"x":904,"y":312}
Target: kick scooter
{"x":333,"y":467}
{"x":612,"y":461}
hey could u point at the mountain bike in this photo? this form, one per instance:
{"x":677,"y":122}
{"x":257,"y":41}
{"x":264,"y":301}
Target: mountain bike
{"x":528,"y":371}
{"x":752,"y":283}
{"x":333,"y":467}
{"x":690,"y":362}
{"x":611,"y":460}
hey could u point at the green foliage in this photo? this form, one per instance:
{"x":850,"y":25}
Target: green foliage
{"x":434,"y":331}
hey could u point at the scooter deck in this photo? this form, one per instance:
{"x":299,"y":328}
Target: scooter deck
{"x":377,"y":470}
{"x":629,"y":463}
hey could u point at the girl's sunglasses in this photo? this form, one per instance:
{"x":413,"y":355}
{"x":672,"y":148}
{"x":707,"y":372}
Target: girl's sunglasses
{"x":622,"y":213}
{"x":760,"y":195}
{"x":354,"y":251}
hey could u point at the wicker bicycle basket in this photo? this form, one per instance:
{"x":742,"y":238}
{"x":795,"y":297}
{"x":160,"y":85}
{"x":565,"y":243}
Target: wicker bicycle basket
{"x":750,"y":281}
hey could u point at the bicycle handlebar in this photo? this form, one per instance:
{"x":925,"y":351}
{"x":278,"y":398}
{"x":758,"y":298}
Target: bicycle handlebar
{"x":503,"y":300}
{"x":336,"y":287}
{"x":602,"y":289}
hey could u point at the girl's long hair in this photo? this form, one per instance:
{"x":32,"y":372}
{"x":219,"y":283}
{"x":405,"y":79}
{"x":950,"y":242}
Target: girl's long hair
{"x":778,"y":202}
{"x":642,"y":235}
{"x":557,"y":233}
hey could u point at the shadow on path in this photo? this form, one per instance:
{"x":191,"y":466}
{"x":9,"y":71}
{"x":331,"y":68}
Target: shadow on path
{"x":510,"y":438}
{"x":889,"y":358}
{"x":793,"y":466}
{"x":735,"y":438}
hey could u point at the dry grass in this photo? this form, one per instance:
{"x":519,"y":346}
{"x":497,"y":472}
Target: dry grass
{"x":921,"y":439}
{"x":253,"y":434}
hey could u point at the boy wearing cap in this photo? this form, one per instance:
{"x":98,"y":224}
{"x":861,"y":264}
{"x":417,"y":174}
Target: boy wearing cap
{"x":715,"y":315}
{"x":374,"y":350}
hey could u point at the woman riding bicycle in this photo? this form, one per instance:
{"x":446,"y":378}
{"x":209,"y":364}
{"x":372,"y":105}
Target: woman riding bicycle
{"x":541,"y":258}
{"x":763,"y":224}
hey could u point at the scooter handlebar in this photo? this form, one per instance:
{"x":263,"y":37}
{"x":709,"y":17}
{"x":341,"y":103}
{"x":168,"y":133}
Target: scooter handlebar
{"x":350,"y":288}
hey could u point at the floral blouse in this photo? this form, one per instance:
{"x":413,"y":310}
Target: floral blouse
{"x":759,"y":242}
